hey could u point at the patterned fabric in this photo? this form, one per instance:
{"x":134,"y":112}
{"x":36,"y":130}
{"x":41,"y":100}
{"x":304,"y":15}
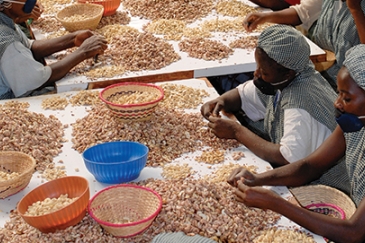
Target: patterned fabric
{"x":336,"y":31}
{"x":355,"y":162}
{"x":180,"y":237}
{"x":300,"y":94}
{"x":286,"y":46}
{"x":355,"y":59}
{"x":280,"y":42}
{"x":9,"y":33}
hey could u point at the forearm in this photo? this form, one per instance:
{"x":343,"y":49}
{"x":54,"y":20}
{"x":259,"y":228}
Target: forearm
{"x":46,"y":47}
{"x":286,"y":16}
{"x":359,"y":18}
{"x":62,"y":67}
{"x":274,"y":5}
{"x":232,"y":101}
{"x":266,"y":150}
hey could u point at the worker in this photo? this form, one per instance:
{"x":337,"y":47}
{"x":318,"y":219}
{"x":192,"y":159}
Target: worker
{"x":335,"y":26}
{"x":288,"y":100}
{"x":347,"y":139}
{"x":21,"y":64}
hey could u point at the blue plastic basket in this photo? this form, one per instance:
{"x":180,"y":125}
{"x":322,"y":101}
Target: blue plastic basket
{"x":116,"y":162}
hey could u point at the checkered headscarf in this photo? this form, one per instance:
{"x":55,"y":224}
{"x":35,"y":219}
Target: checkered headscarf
{"x":286,"y":46}
{"x":354,"y":62}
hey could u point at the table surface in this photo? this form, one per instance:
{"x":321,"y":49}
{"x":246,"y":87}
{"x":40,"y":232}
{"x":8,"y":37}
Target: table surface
{"x":242,"y":60}
{"x":74,"y":165}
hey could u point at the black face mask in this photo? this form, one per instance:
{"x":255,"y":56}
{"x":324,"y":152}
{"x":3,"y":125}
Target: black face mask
{"x":267,"y":88}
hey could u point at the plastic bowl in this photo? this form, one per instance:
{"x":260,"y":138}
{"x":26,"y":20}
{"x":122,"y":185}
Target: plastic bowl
{"x":70,"y":215}
{"x":136,"y":111}
{"x":110,"y":6}
{"x":116,"y":162}
{"x":125,"y":210}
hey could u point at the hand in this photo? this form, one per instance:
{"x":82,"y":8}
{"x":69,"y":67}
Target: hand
{"x":93,"y":46}
{"x":252,"y":20}
{"x":223,"y":128}
{"x":255,"y":196}
{"x":243,"y":175}
{"x":81,"y":36}
{"x":37,"y":11}
{"x":212,"y":108}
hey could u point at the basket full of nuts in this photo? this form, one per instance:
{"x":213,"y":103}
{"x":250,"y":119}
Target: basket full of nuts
{"x":131,"y":100}
{"x":16,"y":170}
{"x":125,"y":210}
{"x":80,"y":16}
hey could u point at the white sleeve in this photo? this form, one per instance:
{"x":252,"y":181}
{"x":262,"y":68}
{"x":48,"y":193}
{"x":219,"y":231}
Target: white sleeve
{"x":302,"y":135}
{"x":308,"y":11}
{"x":251,"y":103}
{"x":21,"y":71}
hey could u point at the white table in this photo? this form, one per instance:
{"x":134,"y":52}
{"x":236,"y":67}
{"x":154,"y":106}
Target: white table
{"x":75,"y":166}
{"x":242,"y":60}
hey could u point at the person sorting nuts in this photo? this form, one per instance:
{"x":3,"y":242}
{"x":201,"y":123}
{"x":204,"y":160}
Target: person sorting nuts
{"x":21,"y":66}
{"x":347,"y":139}
{"x":288,"y":101}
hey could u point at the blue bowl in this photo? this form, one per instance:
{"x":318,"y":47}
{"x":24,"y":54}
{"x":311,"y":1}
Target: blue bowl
{"x":116,"y":162}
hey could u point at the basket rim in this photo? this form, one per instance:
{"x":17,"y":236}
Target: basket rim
{"x":102,"y":222}
{"x":113,"y":163}
{"x":132,"y":105}
{"x":96,"y":6}
{"x":27,"y":171}
{"x":338,"y":208}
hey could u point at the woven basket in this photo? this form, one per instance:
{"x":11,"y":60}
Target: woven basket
{"x":93,"y":11}
{"x":141,"y":111}
{"x":125,"y":210}
{"x":324,"y":199}
{"x":13,"y":161}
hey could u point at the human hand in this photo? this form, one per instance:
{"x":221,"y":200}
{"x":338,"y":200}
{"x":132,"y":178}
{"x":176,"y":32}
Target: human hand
{"x":223,"y":128}
{"x":37,"y":11}
{"x":243,"y":175}
{"x":81,"y":36}
{"x":255,"y":196}
{"x":212,"y":108}
{"x":252,"y":20}
{"x":93,"y":46}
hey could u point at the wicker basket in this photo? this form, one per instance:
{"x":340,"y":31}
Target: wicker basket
{"x":325,"y":199}
{"x":141,"y":111}
{"x":125,"y":210}
{"x":13,"y":161}
{"x":93,"y":11}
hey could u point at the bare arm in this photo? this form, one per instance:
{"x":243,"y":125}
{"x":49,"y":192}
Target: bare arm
{"x":286,"y":16}
{"x":272,"y":4}
{"x":310,"y":168}
{"x":226,"y":128}
{"x":359,"y":17}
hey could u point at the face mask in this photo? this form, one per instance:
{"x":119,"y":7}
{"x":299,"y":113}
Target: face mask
{"x":348,"y":122}
{"x":265,"y":87}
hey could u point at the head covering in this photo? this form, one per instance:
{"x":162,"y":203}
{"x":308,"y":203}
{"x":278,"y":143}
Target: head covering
{"x":354,"y":62}
{"x":286,"y":45}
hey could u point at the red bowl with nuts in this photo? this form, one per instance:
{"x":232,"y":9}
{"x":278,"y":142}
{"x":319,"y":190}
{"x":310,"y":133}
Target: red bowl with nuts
{"x":110,"y":6}
{"x":56,"y":205}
